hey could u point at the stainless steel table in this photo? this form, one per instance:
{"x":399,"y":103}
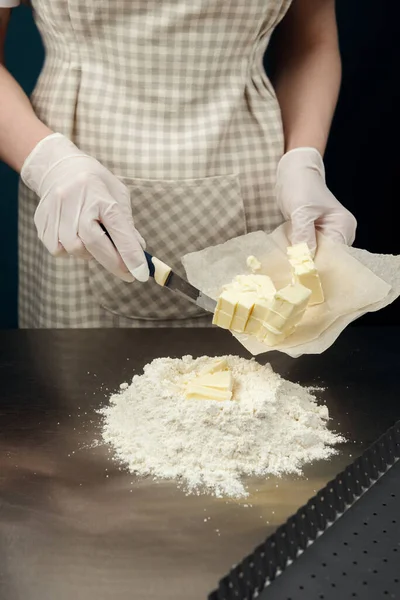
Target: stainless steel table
{"x":75,"y":526}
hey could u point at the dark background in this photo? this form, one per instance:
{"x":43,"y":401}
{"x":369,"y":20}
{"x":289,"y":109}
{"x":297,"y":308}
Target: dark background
{"x":361,"y":163}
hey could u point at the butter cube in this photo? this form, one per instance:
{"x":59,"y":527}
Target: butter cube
{"x":298,"y":251}
{"x":218,"y":364}
{"x":238,"y":325}
{"x":246,"y":297}
{"x":267,"y":288}
{"x":283,"y":324}
{"x":220,"y":380}
{"x":276,"y":320}
{"x":268,"y":331}
{"x":253,"y":263}
{"x":294,"y":320}
{"x":261,"y":309}
{"x":245,"y":305}
{"x":201,"y":392}
{"x":260,"y":284}
{"x":303,"y":267}
{"x":242,"y":283}
{"x":304,"y":271}
{"x":253,"y":326}
{"x":272,"y":338}
{"x":227,"y":302}
{"x":261,"y":333}
{"x":291,"y":300}
{"x":310,"y":279}
{"x":212,"y":386}
{"x":242,"y":312}
{"x":222,"y":319}
{"x":215,"y":385}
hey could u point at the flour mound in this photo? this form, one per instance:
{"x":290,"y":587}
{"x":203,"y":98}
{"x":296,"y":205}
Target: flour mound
{"x":271,"y":427}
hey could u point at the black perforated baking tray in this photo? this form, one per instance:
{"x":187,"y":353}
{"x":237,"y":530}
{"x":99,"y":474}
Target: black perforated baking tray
{"x":344,"y":543}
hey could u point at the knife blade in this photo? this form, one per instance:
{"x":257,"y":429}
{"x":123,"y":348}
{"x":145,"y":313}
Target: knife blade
{"x":166,"y":277}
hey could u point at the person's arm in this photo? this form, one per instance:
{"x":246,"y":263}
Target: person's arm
{"x":20,"y":129}
{"x":76,"y":193}
{"x":307,"y":81}
{"x":308,"y":72}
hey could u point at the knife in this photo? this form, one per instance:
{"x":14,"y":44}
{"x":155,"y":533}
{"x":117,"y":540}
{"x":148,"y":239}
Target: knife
{"x":165,"y":277}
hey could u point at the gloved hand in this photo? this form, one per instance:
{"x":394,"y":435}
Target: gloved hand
{"x":304,"y":199}
{"x":77,"y":194}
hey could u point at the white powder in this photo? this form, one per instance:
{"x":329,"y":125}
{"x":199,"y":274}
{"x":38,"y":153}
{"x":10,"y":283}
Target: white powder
{"x":271,"y":427}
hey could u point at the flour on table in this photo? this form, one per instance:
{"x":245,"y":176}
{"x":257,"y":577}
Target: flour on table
{"x":270,"y":427}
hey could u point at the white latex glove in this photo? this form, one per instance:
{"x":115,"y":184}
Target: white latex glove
{"x":77,"y":194}
{"x":304,"y":199}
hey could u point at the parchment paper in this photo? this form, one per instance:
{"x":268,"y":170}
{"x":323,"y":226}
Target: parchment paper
{"x":354,"y":282}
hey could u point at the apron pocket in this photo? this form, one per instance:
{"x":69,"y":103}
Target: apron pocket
{"x":174,"y":217}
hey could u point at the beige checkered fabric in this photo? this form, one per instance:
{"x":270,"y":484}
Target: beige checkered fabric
{"x":171,"y":96}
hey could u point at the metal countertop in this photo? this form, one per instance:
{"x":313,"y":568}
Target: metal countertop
{"x":75,"y":526}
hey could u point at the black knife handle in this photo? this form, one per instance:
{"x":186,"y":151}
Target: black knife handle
{"x":150,"y":263}
{"x":148,"y":256}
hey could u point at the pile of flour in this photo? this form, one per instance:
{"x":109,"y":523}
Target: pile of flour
{"x":271,"y":427}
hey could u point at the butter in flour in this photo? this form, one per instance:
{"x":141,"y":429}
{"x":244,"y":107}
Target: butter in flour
{"x":214,"y":384}
{"x":271,"y":427}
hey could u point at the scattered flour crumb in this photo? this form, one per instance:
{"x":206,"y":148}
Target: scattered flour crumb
{"x":271,"y":427}
{"x":124,"y":386}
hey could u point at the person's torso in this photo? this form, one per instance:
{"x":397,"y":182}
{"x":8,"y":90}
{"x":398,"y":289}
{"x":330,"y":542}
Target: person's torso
{"x":172,"y":97}
{"x":160,"y":88}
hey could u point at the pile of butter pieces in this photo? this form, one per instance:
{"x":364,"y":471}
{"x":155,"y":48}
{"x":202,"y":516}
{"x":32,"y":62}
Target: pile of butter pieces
{"x":213,"y":382}
{"x":250,"y":303}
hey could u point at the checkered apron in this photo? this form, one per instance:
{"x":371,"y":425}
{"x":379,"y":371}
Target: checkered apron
{"x":171,"y":96}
